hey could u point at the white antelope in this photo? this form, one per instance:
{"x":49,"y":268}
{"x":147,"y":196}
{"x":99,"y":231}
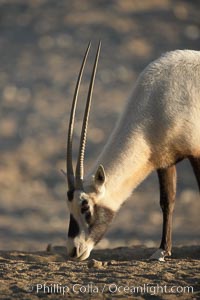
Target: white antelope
{"x":159,"y":127}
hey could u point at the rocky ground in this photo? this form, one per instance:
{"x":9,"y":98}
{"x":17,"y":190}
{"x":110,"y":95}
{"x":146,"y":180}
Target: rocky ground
{"x":41,"y":47}
{"x":117,"y":273}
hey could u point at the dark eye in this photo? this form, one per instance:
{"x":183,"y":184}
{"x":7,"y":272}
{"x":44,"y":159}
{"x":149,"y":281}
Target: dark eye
{"x":85,"y":209}
{"x":84,"y":206}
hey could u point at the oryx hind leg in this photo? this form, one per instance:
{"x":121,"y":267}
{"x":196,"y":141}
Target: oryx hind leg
{"x":195,"y":162}
{"x":167,"y":182}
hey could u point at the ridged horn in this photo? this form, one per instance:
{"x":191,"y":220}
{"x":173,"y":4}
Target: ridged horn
{"x":81,"y":156}
{"x":69,"y":161}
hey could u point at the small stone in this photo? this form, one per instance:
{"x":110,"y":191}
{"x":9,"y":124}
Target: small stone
{"x":110,"y":263}
{"x":93,"y":263}
{"x":168,"y":276}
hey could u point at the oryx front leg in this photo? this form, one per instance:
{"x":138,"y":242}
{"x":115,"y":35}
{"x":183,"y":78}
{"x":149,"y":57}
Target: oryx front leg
{"x":167,"y":182}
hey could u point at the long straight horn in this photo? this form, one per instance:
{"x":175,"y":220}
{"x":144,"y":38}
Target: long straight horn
{"x":80,"y":162}
{"x":69,"y":163}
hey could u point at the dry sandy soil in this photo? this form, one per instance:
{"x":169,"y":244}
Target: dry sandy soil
{"x":117,"y":273}
{"x":41,"y":47}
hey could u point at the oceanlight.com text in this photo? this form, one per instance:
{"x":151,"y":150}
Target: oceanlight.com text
{"x":112,"y":288}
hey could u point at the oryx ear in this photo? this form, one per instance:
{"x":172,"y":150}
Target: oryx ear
{"x":100,"y":177}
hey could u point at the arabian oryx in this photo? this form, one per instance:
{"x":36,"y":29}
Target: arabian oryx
{"x":159,"y":127}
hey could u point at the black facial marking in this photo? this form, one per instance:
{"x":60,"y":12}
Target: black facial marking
{"x":88,"y":217}
{"x":84,"y":209}
{"x":70,"y":195}
{"x":102,"y":217}
{"x":73,"y":227}
{"x":84,"y":206}
{"x":84,"y":202}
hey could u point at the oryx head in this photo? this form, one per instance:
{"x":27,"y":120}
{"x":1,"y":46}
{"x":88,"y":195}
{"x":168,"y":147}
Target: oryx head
{"x":88,"y":218}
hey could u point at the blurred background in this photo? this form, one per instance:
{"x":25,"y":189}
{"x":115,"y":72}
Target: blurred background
{"x":41,"y":47}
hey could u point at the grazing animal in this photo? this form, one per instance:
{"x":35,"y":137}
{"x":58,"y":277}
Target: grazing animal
{"x":159,"y":127}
